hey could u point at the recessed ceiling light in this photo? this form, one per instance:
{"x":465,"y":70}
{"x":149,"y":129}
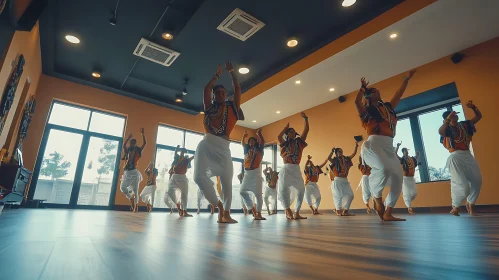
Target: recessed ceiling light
{"x":202,"y":113}
{"x":96,"y":74}
{"x":72,"y":39}
{"x":348,"y":3}
{"x":178,"y":100}
{"x":278,"y":112}
{"x":254,"y":121}
{"x":292,"y":43}
{"x":167,"y":36}
{"x":393,"y":35}
{"x":298,"y":82}
{"x":331,"y":89}
{"x":244,"y":70}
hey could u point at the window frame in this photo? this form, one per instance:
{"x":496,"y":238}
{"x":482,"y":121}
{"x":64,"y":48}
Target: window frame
{"x":417,"y":136}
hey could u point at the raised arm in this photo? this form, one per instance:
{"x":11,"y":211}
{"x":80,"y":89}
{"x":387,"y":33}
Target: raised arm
{"x":330,"y":157}
{"x":243,"y":141}
{"x":478,"y":114}
{"x":235,"y":83}
{"x":360,"y":94}
{"x":177,"y":149}
{"x":398,"y":95}
{"x":125,"y":144}
{"x":443,"y":129}
{"x":306,"y":128}
{"x":355,"y":151}
{"x":209,"y":88}
{"x":144,"y":141}
{"x":259,"y":136}
{"x":280,"y":137}
{"x":265,"y":170}
{"x":397,"y":149}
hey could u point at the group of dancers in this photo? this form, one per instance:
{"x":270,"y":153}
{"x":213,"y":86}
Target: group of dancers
{"x":379,"y":162}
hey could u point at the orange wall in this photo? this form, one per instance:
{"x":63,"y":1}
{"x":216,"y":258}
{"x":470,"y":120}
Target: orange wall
{"x":476,"y":78}
{"x":28,"y":44}
{"x":139,"y":114}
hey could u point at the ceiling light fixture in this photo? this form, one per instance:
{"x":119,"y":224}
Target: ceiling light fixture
{"x":331,"y":89}
{"x":292,"y":43}
{"x":96,"y":74}
{"x":72,"y":39}
{"x":178,"y":98}
{"x":254,"y":121}
{"x":244,"y":70}
{"x":348,"y":3}
{"x":393,"y":35}
{"x":202,"y":113}
{"x":184,"y":90}
{"x":167,"y":35}
{"x":298,"y":82}
{"x":278,"y":112}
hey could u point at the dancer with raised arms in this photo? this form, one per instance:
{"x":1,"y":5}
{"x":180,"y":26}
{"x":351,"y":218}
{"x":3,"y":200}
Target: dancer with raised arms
{"x":409,"y":189}
{"x":271,"y":177}
{"x":178,"y":181}
{"x":364,"y":184}
{"x":342,"y":191}
{"x":312,"y":191}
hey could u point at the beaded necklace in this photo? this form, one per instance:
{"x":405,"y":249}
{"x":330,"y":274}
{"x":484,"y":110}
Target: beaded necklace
{"x":217,"y":112}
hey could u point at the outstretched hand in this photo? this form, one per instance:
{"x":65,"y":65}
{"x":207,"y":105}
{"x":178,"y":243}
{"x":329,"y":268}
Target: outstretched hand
{"x":452,"y":114}
{"x":259,"y":131}
{"x":219,"y":70}
{"x":287,"y":126}
{"x":228,"y":65}
{"x":411,"y":73}
{"x":398,"y":144}
{"x":303,"y":115}
{"x":309,"y":157}
{"x":363,"y":82}
{"x":470,"y":104}
{"x":245,"y":133}
{"x":142,"y":130}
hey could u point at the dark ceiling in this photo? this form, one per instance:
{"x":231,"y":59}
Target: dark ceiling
{"x":194,"y":23}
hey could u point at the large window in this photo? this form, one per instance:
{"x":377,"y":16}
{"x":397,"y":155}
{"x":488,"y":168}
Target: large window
{"x":418,"y":131}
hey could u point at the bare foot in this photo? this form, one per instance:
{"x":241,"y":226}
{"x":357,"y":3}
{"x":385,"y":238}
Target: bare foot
{"x":185,"y":214}
{"x":178,"y":207}
{"x":455,"y":211}
{"x":317,"y":212}
{"x":471,"y":209}
{"x":289,"y":214}
{"x":220,"y":211}
{"x":226,"y":218}
{"x":253,"y":211}
{"x":212,"y":209}
{"x":389,"y":217}
{"x":379,"y":207}
{"x":274,"y":212}
{"x":136,"y":209}
{"x":338,"y":212}
{"x":410,"y":210}
{"x":368,"y":209}
{"x":468,"y":207}
{"x":132,"y":203}
{"x":198,"y":211}
{"x":258,"y":217}
{"x":149,"y":207}
{"x":298,"y":217}
{"x":345,"y":213}
{"x":245,"y":211}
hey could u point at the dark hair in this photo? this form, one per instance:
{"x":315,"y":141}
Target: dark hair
{"x":133,"y":140}
{"x":217,"y":87}
{"x":404,"y":149}
{"x":368,"y":92}
{"x":336,"y":150}
{"x":446,"y":114}
{"x":249,"y":140}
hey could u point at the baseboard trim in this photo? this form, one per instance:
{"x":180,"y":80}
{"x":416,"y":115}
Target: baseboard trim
{"x":486,"y":208}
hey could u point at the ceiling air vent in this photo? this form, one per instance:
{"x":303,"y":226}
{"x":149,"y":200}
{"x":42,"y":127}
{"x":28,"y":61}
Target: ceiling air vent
{"x":155,"y":53}
{"x":240,"y":25}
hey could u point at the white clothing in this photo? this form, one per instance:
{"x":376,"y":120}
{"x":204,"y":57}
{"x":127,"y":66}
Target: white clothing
{"x":169,"y":202}
{"x":342,"y":193}
{"x":269,"y":193}
{"x":213,"y":158}
{"x":377,"y":152}
{"x":409,"y":190}
{"x":366,"y":190}
{"x":313,"y":194}
{"x":291,"y":186}
{"x":252,"y":183}
{"x":148,"y":193}
{"x":130,"y":183}
{"x":181,"y":183}
{"x":200,"y":199}
{"x":465,"y":177}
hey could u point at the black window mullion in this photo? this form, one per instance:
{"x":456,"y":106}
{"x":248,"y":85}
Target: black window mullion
{"x":419,"y":146}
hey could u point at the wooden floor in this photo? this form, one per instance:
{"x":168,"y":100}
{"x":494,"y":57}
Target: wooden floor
{"x":86,"y":244}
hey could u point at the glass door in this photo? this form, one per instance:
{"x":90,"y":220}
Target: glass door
{"x":99,"y":172}
{"x":58,"y":167}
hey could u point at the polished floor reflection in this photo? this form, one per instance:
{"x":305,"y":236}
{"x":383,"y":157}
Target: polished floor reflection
{"x":85,"y":244}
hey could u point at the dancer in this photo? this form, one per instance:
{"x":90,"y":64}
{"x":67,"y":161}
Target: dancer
{"x":409,"y":189}
{"x":291,"y":180}
{"x":252,"y":181}
{"x":379,"y":119}
{"x":178,"y":181}
{"x":271,"y":177}
{"x":464,"y":169}
{"x":364,"y":184}
{"x":312,"y":191}
{"x":213,"y":157}
{"x":149,"y":192}
{"x":342,"y":191}
{"x":131,"y":176}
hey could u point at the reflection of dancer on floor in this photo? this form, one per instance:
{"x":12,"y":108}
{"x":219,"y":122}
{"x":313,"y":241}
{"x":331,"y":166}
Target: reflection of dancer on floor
{"x":213,"y":157}
{"x":342,"y":191}
{"x":364,"y":183}
{"x":131,"y":176}
{"x":253,"y":182}
{"x":178,"y":180}
{"x":291,"y":179}
{"x":465,"y":174}
{"x":379,"y":120}
{"x":409,"y":189}
{"x":312,"y":191}
{"x":271,"y":177}
{"x":149,"y":192}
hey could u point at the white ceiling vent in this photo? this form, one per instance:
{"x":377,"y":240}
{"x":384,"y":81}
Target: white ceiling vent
{"x":155,"y":53}
{"x":240,"y":25}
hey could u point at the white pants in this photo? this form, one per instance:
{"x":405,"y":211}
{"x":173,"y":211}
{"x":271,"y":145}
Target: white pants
{"x":252,"y":183}
{"x":269,"y":193}
{"x":148,"y":193}
{"x":291,"y":186}
{"x":213,"y":158}
{"x":409,"y":190}
{"x":181,"y":183}
{"x":130,"y":183}
{"x":200,"y":199}
{"x":465,"y":177}
{"x":313,"y":194}
{"x":378,"y":152}
{"x":342,"y":193}
{"x":366,"y":190}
